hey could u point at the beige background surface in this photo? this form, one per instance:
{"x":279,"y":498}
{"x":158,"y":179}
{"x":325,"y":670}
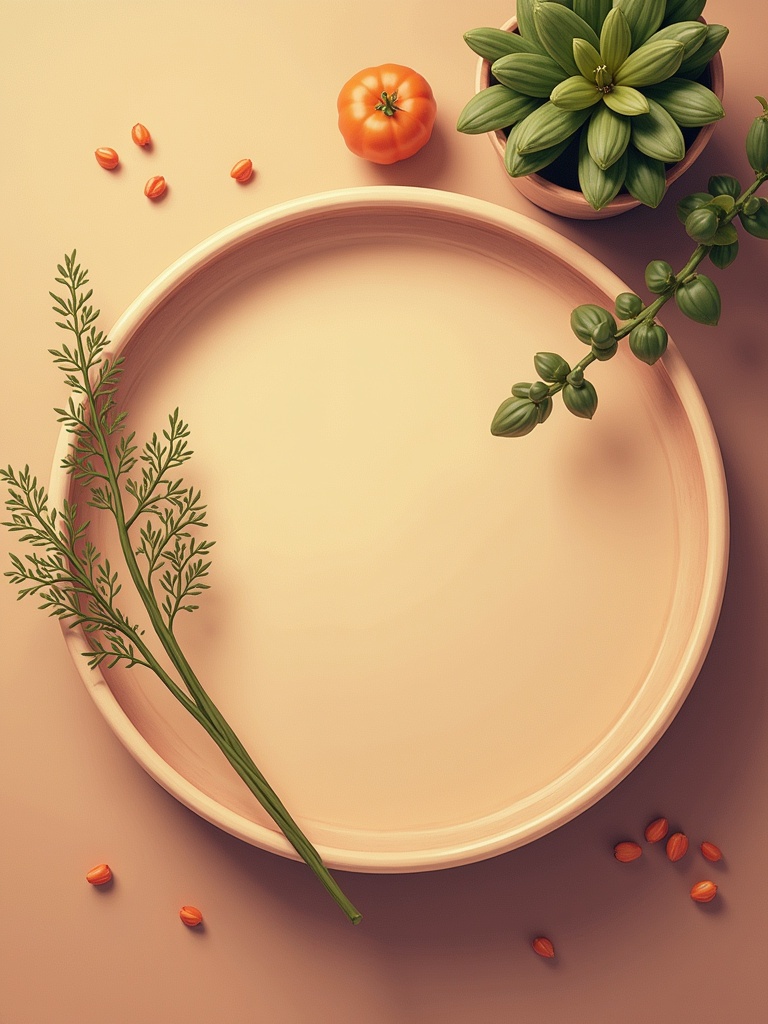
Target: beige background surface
{"x":215,"y":82}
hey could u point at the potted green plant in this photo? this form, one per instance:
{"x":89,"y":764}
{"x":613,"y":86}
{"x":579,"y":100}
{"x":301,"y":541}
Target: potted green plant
{"x":596,"y":108}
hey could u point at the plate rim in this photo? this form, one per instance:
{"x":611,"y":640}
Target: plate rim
{"x":414,"y":198}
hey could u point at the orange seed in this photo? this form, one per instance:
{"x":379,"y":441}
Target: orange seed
{"x":543,"y":947}
{"x":627,"y":851}
{"x":107,"y":158}
{"x":140,"y":135}
{"x":703,"y":892}
{"x":677,"y":846}
{"x":191,"y":916}
{"x":155,"y":187}
{"x":711,"y":852}
{"x":656,"y":830}
{"x":99,"y":875}
{"x":242,"y":171}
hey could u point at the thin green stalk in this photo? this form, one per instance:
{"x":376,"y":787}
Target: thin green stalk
{"x":206,"y":711}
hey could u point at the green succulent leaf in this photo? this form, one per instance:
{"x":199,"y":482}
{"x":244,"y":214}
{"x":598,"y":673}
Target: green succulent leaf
{"x":533,"y":74}
{"x":644,"y":17}
{"x":645,"y":179}
{"x":723,"y":255}
{"x":599,"y":186}
{"x":692,"y":202}
{"x":726,"y":234}
{"x":693,"y":66}
{"x":587,"y":59}
{"x":724,"y":185}
{"x":593,"y":12}
{"x":557,"y":27}
{"x":525,"y":22}
{"x":651,"y":63}
{"x":575,"y":93}
{"x":699,"y":300}
{"x":548,"y":126}
{"x":684,"y":10}
{"x":586,"y":318}
{"x":493,"y":108}
{"x":690,"y":103}
{"x":519,"y":164}
{"x":607,"y":136}
{"x":492,"y":43}
{"x":615,"y":39}
{"x":656,"y":134}
{"x":623,"y":99}
{"x":690,"y":33}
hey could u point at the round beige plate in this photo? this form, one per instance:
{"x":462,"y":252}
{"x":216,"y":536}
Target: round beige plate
{"x":437,"y":645}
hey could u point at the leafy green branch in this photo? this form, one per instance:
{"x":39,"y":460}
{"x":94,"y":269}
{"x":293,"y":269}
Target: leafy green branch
{"x":710,"y":219}
{"x":71,"y":579}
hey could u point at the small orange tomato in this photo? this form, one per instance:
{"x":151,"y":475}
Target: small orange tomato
{"x":386,"y":113}
{"x":191,"y":916}
{"x":107,"y":158}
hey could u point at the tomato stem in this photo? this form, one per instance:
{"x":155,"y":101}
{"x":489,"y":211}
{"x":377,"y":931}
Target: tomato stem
{"x":388,"y":104}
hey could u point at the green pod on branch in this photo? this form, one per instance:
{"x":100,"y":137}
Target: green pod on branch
{"x":699,"y":300}
{"x":659,"y":276}
{"x":628,"y":305}
{"x":757,"y":140}
{"x":702,"y":224}
{"x":723,"y":255}
{"x":551,"y":367}
{"x":756,"y":223}
{"x":648,"y":341}
{"x":724,"y":185}
{"x":587,"y":317}
{"x":581,"y":400}
{"x":515,"y":417}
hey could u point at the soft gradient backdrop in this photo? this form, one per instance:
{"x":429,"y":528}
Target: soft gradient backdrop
{"x":216,"y":81}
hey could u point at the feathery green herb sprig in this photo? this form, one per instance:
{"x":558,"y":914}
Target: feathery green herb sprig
{"x":166,"y":559}
{"x":709,"y":218}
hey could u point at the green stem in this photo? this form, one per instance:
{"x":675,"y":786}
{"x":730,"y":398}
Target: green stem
{"x":207,"y":714}
{"x":388,"y":104}
{"x":648,"y":313}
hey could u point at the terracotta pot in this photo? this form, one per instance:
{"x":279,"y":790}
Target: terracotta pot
{"x":566,"y":202}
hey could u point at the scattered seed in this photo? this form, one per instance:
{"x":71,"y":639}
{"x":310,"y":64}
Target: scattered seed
{"x":543,"y":947}
{"x":99,"y":875}
{"x":107,"y":158}
{"x":140,"y":135}
{"x":242,"y":171}
{"x":656,"y":830}
{"x":155,"y":187}
{"x":704,"y":892}
{"x":711,"y":852}
{"x":677,"y":846}
{"x":627,"y":851}
{"x":191,"y":916}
